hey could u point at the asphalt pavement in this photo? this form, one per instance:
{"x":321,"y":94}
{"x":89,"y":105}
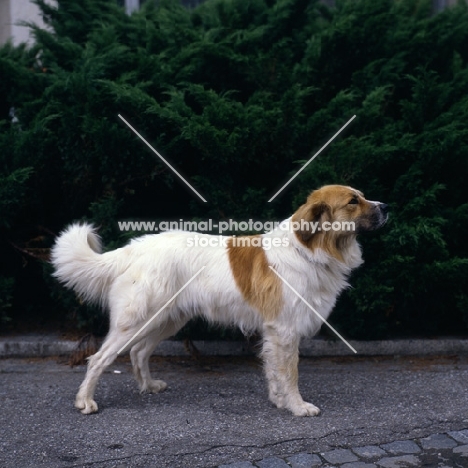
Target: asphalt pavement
{"x":216,"y":412}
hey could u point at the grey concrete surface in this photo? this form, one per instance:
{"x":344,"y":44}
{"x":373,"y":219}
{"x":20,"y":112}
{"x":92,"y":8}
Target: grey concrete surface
{"x":216,"y":412}
{"x":35,"y":345}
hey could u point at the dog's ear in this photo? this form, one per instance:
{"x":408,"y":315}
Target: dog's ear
{"x":310,"y":213}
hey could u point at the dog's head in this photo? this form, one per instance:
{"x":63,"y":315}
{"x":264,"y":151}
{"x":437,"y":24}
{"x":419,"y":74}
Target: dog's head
{"x":334,"y":214}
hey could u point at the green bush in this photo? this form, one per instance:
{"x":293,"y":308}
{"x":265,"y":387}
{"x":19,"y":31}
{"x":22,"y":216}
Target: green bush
{"x":6,"y":296}
{"x":238,"y":95}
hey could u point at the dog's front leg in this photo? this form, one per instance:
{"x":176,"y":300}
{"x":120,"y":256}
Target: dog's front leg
{"x":281,"y":357}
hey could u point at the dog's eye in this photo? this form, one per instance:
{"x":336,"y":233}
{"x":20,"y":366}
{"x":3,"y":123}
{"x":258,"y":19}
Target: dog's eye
{"x":353,"y":201}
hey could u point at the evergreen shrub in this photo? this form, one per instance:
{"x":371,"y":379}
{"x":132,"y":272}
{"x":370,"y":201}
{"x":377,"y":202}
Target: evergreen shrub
{"x":238,"y":95}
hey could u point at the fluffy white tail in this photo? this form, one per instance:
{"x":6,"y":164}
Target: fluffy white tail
{"x":79,"y":264}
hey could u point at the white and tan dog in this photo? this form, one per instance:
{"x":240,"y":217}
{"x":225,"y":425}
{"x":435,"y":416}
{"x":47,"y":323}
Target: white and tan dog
{"x":236,"y":287}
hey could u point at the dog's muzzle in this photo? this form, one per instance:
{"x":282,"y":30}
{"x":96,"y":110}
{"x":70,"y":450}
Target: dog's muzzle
{"x":375,"y":220}
{"x":382,"y":216}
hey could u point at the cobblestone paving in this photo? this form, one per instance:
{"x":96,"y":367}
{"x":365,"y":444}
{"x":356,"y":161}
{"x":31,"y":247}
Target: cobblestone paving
{"x":448,"y":450}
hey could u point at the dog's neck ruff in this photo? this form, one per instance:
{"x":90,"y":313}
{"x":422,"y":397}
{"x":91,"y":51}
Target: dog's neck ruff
{"x":351,"y":251}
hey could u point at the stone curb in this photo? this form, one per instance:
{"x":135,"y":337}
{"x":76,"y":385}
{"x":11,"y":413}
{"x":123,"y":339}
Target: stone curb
{"x":50,"y":345}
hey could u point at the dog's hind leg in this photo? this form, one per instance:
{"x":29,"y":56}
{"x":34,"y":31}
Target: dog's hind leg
{"x":281,"y":357}
{"x":114,"y":341}
{"x":141,"y":352}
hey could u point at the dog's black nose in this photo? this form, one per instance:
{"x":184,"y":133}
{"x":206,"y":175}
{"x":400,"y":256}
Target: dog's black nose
{"x":384,"y":207}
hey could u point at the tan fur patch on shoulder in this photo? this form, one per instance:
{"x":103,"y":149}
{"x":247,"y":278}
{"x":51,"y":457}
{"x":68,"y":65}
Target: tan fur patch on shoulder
{"x":259,"y":285}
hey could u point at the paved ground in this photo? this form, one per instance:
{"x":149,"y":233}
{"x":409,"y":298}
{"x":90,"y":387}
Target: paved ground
{"x":437,"y":450}
{"x":215,"y":412}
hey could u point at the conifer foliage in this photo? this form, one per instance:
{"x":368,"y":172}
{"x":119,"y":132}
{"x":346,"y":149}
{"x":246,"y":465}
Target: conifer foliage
{"x":237,"y":94}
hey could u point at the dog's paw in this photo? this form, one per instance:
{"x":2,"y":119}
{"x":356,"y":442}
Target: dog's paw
{"x":86,"y":406}
{"x":305,"y":409}
{"x":154,"y":386}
